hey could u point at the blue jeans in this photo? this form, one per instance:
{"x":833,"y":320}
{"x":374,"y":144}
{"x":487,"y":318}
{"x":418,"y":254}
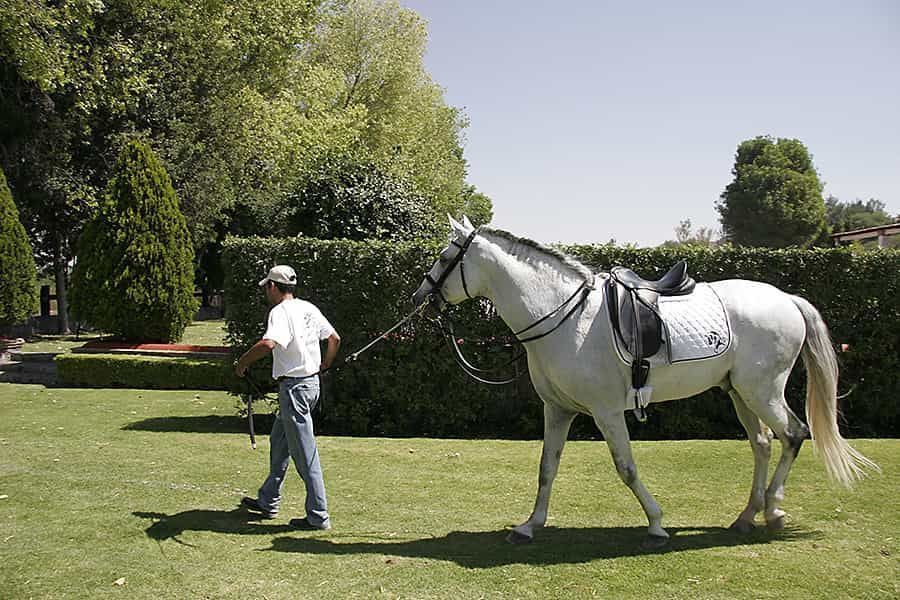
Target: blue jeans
{"x":292,"y":437}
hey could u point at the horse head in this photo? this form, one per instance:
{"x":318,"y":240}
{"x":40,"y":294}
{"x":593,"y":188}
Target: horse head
{"x":448,"y":281}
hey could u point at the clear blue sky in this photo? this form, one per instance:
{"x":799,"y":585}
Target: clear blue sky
{"x":593,"y":120}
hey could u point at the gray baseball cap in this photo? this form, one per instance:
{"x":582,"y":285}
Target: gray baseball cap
{"x":280,"y":274}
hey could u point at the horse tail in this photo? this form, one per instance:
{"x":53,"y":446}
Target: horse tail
{"x":843,"y":463}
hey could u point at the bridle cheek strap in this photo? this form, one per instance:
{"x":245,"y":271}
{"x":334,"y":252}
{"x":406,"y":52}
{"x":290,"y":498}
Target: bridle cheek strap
{"x":437,"y":284}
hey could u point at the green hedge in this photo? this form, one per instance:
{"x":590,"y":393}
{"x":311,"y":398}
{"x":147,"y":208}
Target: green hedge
{"x":410,"y":386}
{"x":144,"y":372}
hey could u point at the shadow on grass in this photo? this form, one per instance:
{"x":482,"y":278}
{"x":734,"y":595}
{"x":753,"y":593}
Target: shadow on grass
{"x":169,"y":527}
{"x":552,"y":545}
{"x":471,"y":549}
{"x":203,"y":424}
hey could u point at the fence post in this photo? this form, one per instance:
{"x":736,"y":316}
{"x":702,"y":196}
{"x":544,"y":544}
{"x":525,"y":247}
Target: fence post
{"x":45,"y":300}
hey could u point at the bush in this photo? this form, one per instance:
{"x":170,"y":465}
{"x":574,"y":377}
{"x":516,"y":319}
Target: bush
{"x":410,"y":385}
{"x":358,"y":201}
{"x":135,"y":276}
{"x":144,"y":372}
{"x":18,"y":275}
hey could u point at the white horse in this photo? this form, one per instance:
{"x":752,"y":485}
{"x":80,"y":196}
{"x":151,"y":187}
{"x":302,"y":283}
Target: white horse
{"x":575,"y":369}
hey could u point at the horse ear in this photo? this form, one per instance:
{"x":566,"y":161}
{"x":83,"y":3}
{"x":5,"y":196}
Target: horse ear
{"x":455,"y":225}
{"x":467,"y":223}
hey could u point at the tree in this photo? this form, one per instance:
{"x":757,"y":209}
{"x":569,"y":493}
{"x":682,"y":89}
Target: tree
{"x":78,"y":79}
{"x":476,"y":206}
{"x":848,"y":216}
{"x":358,"y":202}
{"x":775,"y":199}
{"x":134,"y":276}
{"x":686,"y":236}
{"x":18,"y":276}
{"x":372,"y":51}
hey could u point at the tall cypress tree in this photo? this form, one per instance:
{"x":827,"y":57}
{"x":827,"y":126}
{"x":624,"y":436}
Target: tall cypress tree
{"x":134,"y":276}
{"x":18,"y":275}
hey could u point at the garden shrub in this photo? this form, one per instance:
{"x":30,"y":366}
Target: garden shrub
{"x":144,"y":372}
{"x":134,"y":276}
{"x":18,"y":275}
{"x":411,"y":386}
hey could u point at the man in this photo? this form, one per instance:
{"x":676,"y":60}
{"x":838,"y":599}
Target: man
{"x":294,"y":329}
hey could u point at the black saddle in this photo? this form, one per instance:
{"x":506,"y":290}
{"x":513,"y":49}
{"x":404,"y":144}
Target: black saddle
{"x":674,"y":283}
{"x":633,"y":304}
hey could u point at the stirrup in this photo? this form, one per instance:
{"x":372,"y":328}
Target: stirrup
{"x":641,"y":401}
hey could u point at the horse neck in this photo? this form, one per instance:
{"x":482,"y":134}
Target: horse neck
{"x":524,"y":291}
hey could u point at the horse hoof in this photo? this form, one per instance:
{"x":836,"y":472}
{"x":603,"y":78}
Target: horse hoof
{"x":742,"y":526}
{"x":776,"y":524}
{"x":654,"y":542}
{"x":515,"y":537}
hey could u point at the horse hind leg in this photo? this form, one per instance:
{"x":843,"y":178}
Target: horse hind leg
{"x":760,"y":442}
{"x":767,"y":401}
{"x":615,"y":432}
{"x":557,"y":422}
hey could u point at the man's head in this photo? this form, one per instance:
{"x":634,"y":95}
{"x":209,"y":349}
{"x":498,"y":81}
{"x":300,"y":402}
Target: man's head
{"x":281,"y":281}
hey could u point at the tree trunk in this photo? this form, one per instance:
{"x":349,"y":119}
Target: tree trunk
{"x":62,"y":304}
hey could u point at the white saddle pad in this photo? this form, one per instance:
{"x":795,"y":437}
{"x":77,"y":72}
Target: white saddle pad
{"x":696,"y":325}
{"x":696,"y":328}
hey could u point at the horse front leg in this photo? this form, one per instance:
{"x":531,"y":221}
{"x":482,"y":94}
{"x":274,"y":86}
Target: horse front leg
{"x":615,"y":432}
{"x":557,"y":421}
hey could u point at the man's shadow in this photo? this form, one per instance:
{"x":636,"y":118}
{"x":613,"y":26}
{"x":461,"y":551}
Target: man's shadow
{"x":552,"y":545}
{"x":169,"y":527}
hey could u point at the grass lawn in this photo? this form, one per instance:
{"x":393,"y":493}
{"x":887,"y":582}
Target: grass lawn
{"x":198,"y":333}
{"x":99,"y":486}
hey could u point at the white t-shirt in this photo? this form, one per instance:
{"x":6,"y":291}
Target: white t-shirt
{"x":296,"y":326}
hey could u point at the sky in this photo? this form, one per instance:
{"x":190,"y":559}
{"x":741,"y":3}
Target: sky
{"x":594,"y":120}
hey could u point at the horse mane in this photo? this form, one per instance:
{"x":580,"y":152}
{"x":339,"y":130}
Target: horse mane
{"x":566,"y":260}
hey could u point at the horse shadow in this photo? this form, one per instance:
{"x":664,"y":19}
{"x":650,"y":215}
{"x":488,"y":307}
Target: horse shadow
{"x":552,"y":545}
{"x":236,"y":521}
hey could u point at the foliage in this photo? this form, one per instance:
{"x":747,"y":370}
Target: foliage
{"x":80,"y":78}
{"x":143,"y":372}
{"x":357,"y":202}
{"x":849,"y":216}
{"x":134,"y":277}
{"x":775,"y":199}
{"x":410,"y":385}
{"x":686,"y":236}
{"x":18,"y":276}
{"x":476,"y":206}
{"x":373,"y":51}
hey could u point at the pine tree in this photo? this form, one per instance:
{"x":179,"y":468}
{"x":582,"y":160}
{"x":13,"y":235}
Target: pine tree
{"x":134,"y":276}
{"x":18,"y":275}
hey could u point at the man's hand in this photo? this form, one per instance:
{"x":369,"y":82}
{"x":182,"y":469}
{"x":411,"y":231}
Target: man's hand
{"x":259,"y":349}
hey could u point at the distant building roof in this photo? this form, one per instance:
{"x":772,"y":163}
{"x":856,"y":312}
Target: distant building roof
{"x":869,"y":233}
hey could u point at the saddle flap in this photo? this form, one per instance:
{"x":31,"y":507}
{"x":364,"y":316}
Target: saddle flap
{"x":635,"y":319}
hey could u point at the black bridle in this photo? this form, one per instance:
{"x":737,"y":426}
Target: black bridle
{"x":446,"y":324}
{"x":437,"y":284}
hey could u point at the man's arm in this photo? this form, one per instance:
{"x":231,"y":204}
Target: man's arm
{"x":334,"y":342}
{"x":259,"y":350}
